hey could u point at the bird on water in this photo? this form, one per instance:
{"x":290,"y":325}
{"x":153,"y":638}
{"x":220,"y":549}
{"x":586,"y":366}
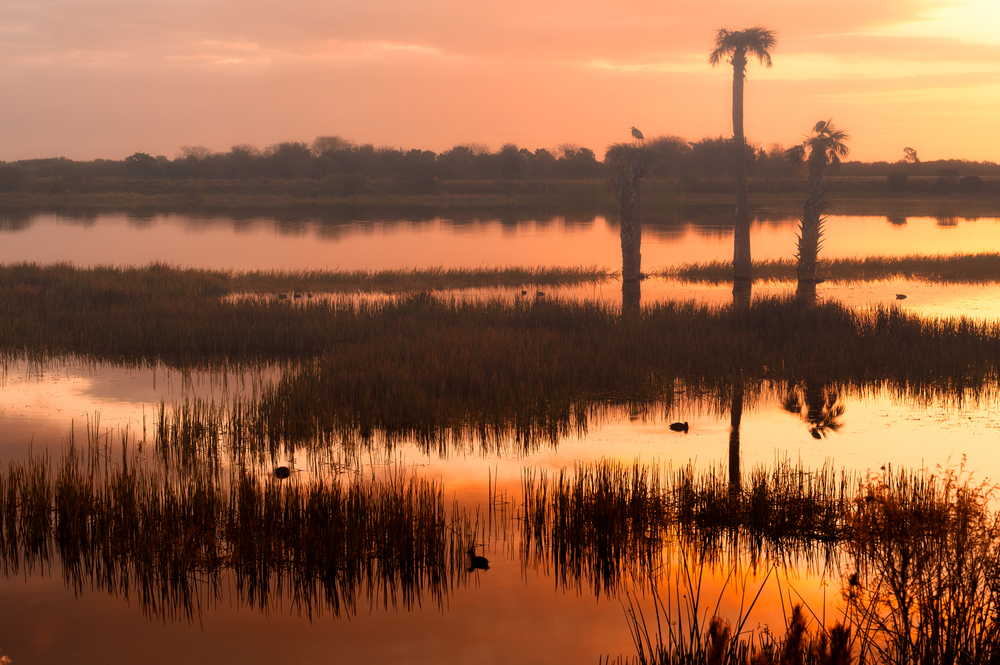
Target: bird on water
{"x":477,"y":562}
{"x":282,"y":472}
{"x":679,"y":427}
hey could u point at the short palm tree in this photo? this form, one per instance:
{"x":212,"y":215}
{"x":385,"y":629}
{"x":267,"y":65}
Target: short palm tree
{"x":627,"y":164}
{"x":736,"y":45}
{"x":822,"y":151}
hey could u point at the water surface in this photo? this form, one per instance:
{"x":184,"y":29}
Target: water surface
{"x":514,"y":612}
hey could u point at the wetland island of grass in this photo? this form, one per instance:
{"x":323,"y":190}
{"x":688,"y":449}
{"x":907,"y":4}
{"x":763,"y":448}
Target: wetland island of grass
{"x":359,"y":448}
{"x":331,"y":402}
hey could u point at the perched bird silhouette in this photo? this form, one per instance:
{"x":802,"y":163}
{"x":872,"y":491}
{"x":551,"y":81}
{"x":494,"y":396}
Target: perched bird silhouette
{"x":679,"y":427}
{"x":282,"y":472}
{"x":636,"y":134}
{"x":477,"y":562}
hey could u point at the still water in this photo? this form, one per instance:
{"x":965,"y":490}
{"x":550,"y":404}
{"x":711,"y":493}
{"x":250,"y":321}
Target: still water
{"x":262,"y":243}
{"x":513,"y":612}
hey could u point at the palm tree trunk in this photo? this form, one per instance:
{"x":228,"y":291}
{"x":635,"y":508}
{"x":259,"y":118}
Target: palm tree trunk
{"x":630,"y":206}
{"x":810,"y":230}
{"x":742,"y":265}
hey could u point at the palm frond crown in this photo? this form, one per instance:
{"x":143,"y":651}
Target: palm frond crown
{"x":827,"y":139}
{"x":732,"y":44}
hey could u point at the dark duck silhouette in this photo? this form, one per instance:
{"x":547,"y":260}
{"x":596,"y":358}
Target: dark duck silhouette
{"x":477,"y":562}
{"x":282,"y":472}
{"x":679,"y":427}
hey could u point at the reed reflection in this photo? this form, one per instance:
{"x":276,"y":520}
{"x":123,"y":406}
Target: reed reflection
{"x":181,"y":541}
{"x":176,"y":541}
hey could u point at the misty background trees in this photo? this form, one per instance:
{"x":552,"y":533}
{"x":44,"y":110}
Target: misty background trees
{"x":343,"y":167}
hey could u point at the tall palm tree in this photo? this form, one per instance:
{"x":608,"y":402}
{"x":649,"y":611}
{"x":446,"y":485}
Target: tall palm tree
{"x":822,"y":150}
{"x":736,"y":45}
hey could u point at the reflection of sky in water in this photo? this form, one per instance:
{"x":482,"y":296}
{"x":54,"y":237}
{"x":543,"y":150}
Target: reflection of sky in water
{"x":508,"y":616}
{"x":316,"y":244}
{"x":503,"y":610}
{"x":42,"y":406}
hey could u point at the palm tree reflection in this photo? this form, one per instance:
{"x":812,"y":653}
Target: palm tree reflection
{"x":736,"y":415}
{"x":818,"y":404}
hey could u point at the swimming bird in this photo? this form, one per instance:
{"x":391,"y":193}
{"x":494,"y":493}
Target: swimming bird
{"x":540,"y":294}
{"x":900,"y":296}
{"x":679,"y":427}
{"x":282,"y":472}
{"x":524,"y":293}
{"x":297,"y":295}
{"x":477,"y":562}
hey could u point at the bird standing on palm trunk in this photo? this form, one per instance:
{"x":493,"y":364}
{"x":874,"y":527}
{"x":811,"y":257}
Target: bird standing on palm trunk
{"x":736,"y":45}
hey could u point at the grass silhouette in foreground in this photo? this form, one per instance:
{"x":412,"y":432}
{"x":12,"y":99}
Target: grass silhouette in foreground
{"x":915,"y":553}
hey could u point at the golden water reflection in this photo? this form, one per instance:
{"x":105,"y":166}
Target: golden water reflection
{"x":307,"y":242}
{"x":513,"y":612}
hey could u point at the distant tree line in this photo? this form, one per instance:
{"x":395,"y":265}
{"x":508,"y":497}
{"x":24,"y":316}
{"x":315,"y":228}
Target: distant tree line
{"x":351,"y":165}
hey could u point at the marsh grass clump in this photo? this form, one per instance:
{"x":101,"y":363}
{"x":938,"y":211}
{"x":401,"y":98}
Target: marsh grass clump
{"x":607,"y":523}
{"x":601,"y":525}
{"x":776,"y":511}
{"x":978,"y":268}
{"x":175,"y":540}
{"x":920,"y":585}
{"x":444,"y":373}
{"x":926,"y":580}
{"x":419,"y":354}
{"x":414,"y":280}
{"x":686,"y":633}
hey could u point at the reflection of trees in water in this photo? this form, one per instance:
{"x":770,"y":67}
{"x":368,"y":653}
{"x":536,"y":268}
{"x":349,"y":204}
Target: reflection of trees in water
{"x":332,"y":222}
{"x":819,"y":405}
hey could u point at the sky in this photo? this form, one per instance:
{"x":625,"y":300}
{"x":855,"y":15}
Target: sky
{"x":87,"y":79}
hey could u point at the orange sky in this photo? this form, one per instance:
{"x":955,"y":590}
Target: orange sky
{"x":105,"y":78}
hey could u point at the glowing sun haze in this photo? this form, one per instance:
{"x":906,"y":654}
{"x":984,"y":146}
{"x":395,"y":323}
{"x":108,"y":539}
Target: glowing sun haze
{"x":105,"y":78}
